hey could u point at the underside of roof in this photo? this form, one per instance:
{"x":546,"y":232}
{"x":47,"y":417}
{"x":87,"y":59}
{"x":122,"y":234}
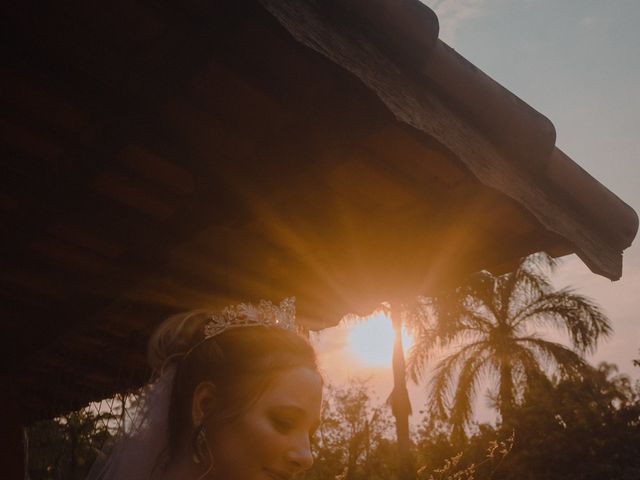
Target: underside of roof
{"x":392,"y":47}
{"x":166,"y":156}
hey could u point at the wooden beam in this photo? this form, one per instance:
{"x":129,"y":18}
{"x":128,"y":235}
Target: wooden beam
{"x":12,"y":445}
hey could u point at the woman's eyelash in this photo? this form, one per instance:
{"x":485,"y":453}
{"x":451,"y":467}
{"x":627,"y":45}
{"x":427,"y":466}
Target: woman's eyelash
{"x":282,"y":424}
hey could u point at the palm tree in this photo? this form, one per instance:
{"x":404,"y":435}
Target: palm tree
{"x":491,"y":325}
{"x":399,"y":397}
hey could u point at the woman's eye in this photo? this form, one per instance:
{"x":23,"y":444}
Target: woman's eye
{"x":283,"y":425}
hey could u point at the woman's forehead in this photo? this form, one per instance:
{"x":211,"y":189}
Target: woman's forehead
{"x":296,"y":387}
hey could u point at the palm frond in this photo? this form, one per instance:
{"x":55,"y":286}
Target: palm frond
{"x":466,"y":390}
{"x":428,"y":339}
{"x":442,"y":382}
{"x":561,"y":357}
{"x":421,"y":323}
{"x":482,"y":287}
{"x":420,"y":353}
{"x":528,"y":368}
{"x":582,"y":319}
{"x":541,"y":261}
{"x":453,"y":313}
{"x":524,"y":312}
{"x":527,"y":281}
{"x":527,"y":287}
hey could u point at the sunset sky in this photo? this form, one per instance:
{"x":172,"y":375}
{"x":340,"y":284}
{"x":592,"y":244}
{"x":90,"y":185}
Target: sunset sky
{"x":577,"y":62}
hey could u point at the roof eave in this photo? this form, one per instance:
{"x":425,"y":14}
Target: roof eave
{"x":504,"y":142}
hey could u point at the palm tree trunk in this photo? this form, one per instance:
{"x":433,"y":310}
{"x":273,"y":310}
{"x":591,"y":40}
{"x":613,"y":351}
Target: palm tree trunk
{"x":123,"y":410}
{"x":505,"y":400}
{"x":74,"y":434}
{"x":400,"y":403}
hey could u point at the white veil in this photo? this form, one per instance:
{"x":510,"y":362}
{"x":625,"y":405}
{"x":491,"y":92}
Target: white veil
{"x":140,"y":453}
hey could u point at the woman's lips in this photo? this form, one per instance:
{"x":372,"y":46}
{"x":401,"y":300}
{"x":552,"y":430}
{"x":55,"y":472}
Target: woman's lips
{"x":277,"y":474}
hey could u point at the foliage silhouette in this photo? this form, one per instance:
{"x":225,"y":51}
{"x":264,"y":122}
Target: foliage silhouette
{"x":354,"y":440}
{"x":583,"y":428}
{"x":492,"y":325}
{"x":67,"y":446}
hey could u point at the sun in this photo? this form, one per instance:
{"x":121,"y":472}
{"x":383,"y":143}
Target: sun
{"x":371,"y":341}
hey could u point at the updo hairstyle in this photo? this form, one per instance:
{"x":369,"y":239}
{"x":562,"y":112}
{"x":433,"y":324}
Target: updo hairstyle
{"x":241,"y":362}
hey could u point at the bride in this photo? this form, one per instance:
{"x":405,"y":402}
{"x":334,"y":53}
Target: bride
{"x":236,"y":395}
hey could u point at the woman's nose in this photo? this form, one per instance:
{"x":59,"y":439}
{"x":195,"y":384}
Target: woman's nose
{"x":300,"y":454}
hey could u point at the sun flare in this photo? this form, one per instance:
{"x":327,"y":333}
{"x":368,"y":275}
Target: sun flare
{"x":371,"y":341}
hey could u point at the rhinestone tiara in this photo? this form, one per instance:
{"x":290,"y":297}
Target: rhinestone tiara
{"x":264,"y":313}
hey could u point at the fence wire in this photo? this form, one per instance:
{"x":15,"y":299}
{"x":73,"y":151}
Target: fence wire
{"x":65,"y":447}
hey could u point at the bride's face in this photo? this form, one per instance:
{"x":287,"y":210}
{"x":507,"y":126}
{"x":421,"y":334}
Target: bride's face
{"x":270,"y":441}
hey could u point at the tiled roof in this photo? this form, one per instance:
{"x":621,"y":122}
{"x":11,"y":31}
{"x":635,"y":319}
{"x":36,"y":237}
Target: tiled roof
{"x":161,"y":156}
{"x":393,"y":47}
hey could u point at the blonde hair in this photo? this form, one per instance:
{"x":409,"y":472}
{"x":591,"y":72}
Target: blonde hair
{"x":240,"y":362}
{"x":174,"y":337}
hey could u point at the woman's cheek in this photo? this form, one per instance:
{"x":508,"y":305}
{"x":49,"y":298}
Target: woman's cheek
{"x":265,"y":439}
